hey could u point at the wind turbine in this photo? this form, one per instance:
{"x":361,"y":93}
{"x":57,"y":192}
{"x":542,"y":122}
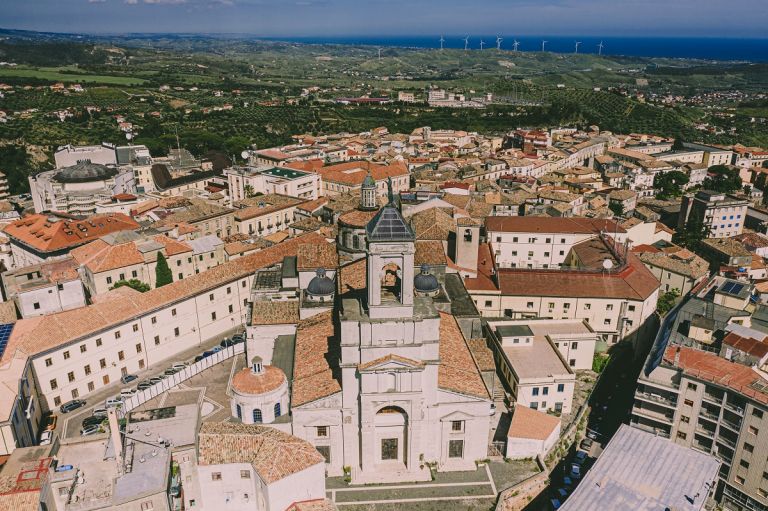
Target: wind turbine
{"x":600,"y":48}
{"x":442,"y":42}
{"x":543,"y":43}
{"x":482,"y":44}
{"x":577,"y":46}
{"x":515,"y":45}
{"x":466,"y":43}
{"x":498,"y":42}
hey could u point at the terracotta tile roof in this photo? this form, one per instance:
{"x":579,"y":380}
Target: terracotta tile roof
{"x":321,"y":255}
{"x":277,"y":237}
{"x":273,"y":454}
{"x":458,"y":371}
{"x":574,"y":225}
{"x":682,"y":262}
{"x":390,"y":358}
{"x":459,"y":201}
{"x":264,"y":205}
{"x":267,"y":312}
{"x":752,"y":240}
{"x":8,"y":312}
{"x":532,"y":424}
{"x":313,"y":505}
{"x":755,"y":347}
{"x":316,"y":357}
{"x":313,"y":205}
{"x":433,"y":224}
{"x":357,"y":218}
{"x":430,"y":252}
{"x":36,"y":335}
{"x":246,"y":382}
{"x":240,"y":247}
{"x":308,"y":224}
{"x":38,"y":232}
{"x":348,"y":174}
{"x":353,"y":277}
{"x":482,"y":354}
{"x":21,"y":501}
{"x":101,"y":256}
{"x":712,"y":368}
{"x":634,"y":282}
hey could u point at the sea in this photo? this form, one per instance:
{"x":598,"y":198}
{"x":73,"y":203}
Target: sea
{"x":707,"y":48}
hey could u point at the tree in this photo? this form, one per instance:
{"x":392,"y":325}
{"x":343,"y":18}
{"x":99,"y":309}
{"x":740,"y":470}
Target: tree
{"x":666,"y":301}
{"x":163,"y":273}
{"x":670,"y":184}
{"x":692,"y":234}
{"x":678,"y":144}
{"x":141,"y":287}
{"x":248,"y":189}
{"x":725,"y":179}
{"x":617,"y":208}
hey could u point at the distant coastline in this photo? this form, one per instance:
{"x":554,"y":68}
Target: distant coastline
{"x":720,"y":49}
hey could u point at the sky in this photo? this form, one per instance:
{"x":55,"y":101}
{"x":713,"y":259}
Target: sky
{"x":328,"y":18}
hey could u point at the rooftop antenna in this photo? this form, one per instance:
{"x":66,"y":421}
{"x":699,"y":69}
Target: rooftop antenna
{"x":577,"y":46}
{"x":543,"y":43}
{"x":515,"y":45}
{"x":466,"y":43}
{"x":442,"y":42}
{"x":498,"y":42}
{"x":600,"y":48}
{"x":482,"y":44}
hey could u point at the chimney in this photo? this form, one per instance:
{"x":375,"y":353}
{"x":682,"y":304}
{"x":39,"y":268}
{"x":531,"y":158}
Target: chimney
{"x":114,"y":432}
{"x":677,"y":356}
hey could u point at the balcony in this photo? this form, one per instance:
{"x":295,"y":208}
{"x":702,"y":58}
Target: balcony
{"x":650,"y":429}
{"x":709,"y":433}
{"x":653,"y":415}
{"x":657,"y":398}
{"x":713,"y":399}
{"x":706,"y":414}
{"x":722,"y":440}
{"x":733,"y":426}
{"x":735,"y":408}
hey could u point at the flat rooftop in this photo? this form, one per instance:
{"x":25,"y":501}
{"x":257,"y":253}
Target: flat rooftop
{"x":536,"y":360}
{"x":643,"y":472}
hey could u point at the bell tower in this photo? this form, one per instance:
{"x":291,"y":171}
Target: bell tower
{"x":368,"y":194}
{"x":391,"y":251}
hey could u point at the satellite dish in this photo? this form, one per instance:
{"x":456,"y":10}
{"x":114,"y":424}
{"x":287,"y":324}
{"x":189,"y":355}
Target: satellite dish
{"x":245,"y":154}
{"x":129,"y":136}
{"x":607,"y":264}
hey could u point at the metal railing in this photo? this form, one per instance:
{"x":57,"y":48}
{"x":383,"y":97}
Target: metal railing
{"x":167,"y":383}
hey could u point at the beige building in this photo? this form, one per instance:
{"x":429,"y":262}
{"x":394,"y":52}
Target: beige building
{"x":723,"y":215}
{"x":44,"y":288}
{"x":266,"y":214}
{"x":680,"y":270}
{"x":246,"y":182}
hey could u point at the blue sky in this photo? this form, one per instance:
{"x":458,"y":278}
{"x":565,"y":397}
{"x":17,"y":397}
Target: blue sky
{"x":275,"y":18}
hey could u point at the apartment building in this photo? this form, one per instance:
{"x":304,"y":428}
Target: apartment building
{"x":542,"y":242}
{"x":265,"y":214}
{"x":246,"y":182}
{"x":723,"y":215}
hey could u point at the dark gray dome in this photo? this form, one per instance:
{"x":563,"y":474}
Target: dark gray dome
{"x":368,"y":182}
{"x":83,"y":172}
{"x":425,"y":282}
{"x":321,"y":285}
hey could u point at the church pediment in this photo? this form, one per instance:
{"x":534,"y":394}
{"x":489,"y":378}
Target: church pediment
{"x":456,"y":416}
{"x":391,"y":362}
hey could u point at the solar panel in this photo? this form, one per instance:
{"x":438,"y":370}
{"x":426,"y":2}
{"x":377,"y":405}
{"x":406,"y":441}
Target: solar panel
{"x":5,"y":334}
{"x":733,"y":288}
{"x":389,"y":225}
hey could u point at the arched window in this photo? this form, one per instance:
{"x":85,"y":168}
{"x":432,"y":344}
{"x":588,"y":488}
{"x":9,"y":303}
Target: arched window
{"x":256,"y":415}
{"x":277,"y":410}
{"x":239,"y":410}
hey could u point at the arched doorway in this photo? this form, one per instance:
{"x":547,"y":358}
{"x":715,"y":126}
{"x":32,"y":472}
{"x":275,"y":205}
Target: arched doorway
{"x":391,"y":283}
{"x":391,"y":424}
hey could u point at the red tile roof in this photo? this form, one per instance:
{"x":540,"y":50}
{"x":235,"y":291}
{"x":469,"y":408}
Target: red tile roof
{"x":246,"y":381}
{"x":533,"y":424}
{"x":458,"y":371}
{"x":42,"y":234}
{"x":353,"y":173}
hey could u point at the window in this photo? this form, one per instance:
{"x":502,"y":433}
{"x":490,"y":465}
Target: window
{"x":121,"y":355}
{"x":609,"y":307}
{"x":87,"y":369}
{"x":91,"y":386}
{"x":229,"y":289}
{"x":109,"y":280}
{"x":685,"y":419}
{"x":75,"y":394}
{"x":572,"y":362}
{"x":566,"y":306}
{"x":178,"y":262}
{"x":231,"y":309}
{"x":157,"y":340}
{"x":488,"y":303}
{"x":549,"y":240}
{"x":757,"y":413}
{"x":36,"y":305}
{"x":176,"y":331}
{"x":141,"y":363}
{"x":210,"y":297}
{"x":749,"y":447}
{"x":456,"y":448}
{"x":325,"y":450}
{"x":216,"y":476}
{"x":551,"y":305}
{"x":256,"y":415}
{"x":181,"y":276}
{"x":514,"y":239}
{"x":681,"y":435}
{"x":71,"y":376}
{"x":529,"y":305}
{"x":138,"y":348}
{"x":744,"y":463}
{"x":102,"y":363}
{"x":457,"y":426}
{"x":134,"y":274}
{"x":54,"y":384}
{"x":530,"y":253}
{"x":48,"y":362}
{"x":545,"y":391}
{"x":631,"y":308}
{"x":66,"y":355}
{"x":692,"y":386}
{"x":546,"y":254}
{"x":98,"y":342}
{"x":277,"y":410}
{"x":574,"y":345}
{"x":56,"y":401}
{"x":135,"y":328}
{"x":322,"y":431}
{"x":122,"y":276}
{"x":173,"y":312}
{"x":535,"y":391}
{"x":561,"y":387}
{"x":117,"y":334}
{"x":587,"y":306}
{"x":534,"y":405}
{"x":105,"y":379}
{"x":607,"y":322}
{"x":753,"y":430}
{"x":213,"y":316}
{"x":688,"y":402}
{"x":147,"y":506}
{"x":245,"y":474}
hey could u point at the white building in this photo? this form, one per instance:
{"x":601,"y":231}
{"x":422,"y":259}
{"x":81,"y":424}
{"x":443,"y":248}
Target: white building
{"x":45,"y":288}
{"x":723,"y":215}
{"x":246,"y":182}
{"x":531,"y":433}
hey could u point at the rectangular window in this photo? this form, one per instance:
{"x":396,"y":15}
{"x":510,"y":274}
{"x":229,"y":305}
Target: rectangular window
{"x":681,"y":435}
{"x":135,"y":328}
{"x":749,"y":447}
{"x":688,"y":402}
{"x":456,"y":448}
{"x":83,"y":348}
{"x":535,"y":391}
{"x":141,"y":363}
{"x":744,"y":463}
{"x":102,"y":363}
{"x":322,"y":431}
{"x":609,"y":307}
{"x":245,"y":474}
{"x":685,"y":419}
{"x":157,"y":340}
{"x":48,"y":362}
{"x":109,"y":280}
{"x":121,"y":355}
{"x":75,"y":394}
{"x":231,"y":309}
{"x":105,"y":379}
{"x":147,"y":506}
{"x":757,"y":413}
{"x":631,"y":308}
{"x":551,"y":305}
{"x":173,"y":312}
{"x":753,"y":430}
{"x":56,"y":401}
{"x":138,"y":348}
{"x":87,"y":370}
{"x":545,"y":391}
{"x":91,"y":386}
{"x":176,"y":331}
{"x":325,"y":451}
{"x":229,"y":289}
{"x":36,"y":305}
{"x":587,"y":306}
{"x":488,"y":303}
{"x":561,"y":387}
{"x":71,"y":376}
{"x":117,"y":334}
{"x":529,"y":305}
{"x":692,"y":386}
{"x":54,"y":384}
{"x":457,"y":426}
{"x":66,"y":355}
{"x":210,"y":297}
{"x":216,"y":476}
{"x":98,"y":342}
{"x":213,"y":316}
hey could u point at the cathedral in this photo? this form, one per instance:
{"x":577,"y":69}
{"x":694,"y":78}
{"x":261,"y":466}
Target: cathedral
{"x":382,"y":383}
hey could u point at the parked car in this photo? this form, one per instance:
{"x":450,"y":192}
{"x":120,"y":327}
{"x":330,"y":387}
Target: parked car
{"x":90,"y":430}
{"x":580,"y":457}
{"x":216,"y":349}
{"x":126,"y":393}
{"x":71,"y":405}
{"x":170,"y":371}
{"x":46,"y":437}
{"x":238,"y":338}
{"x":143,"y":385}
{"x":114,"y":401}
{"x":199,"y":358}
{"x":567,"y":482}
{"x":575,"y":471}
{"x":594,"y":435}
{"x":155,"y":380}
{"x":99,"y":412}
{"x":128,"y":378}
{"x":227,"y":342}
{"x":208,"y":353}
{"x":92,"y":421}
{"x":51,"y":422}
{"x":563,"y":493}
{"x":587,"y":444}
{"x":179,"y":366}
{"x":555,"y":504}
